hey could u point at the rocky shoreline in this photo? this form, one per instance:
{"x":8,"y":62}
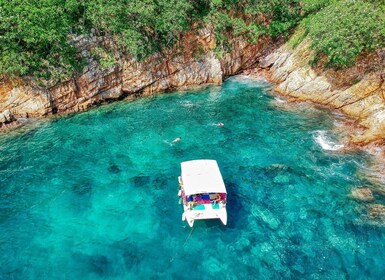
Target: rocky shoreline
{"x":193,"y":62}
{"x":362,"y":103}
{"x":289,"y":69}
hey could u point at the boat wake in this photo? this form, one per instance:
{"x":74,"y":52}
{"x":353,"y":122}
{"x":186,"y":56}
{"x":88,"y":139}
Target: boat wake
{"x":326,"y":141}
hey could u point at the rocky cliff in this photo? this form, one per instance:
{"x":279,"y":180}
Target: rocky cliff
{"x":192,"y":62}
{"x":364,"y":100}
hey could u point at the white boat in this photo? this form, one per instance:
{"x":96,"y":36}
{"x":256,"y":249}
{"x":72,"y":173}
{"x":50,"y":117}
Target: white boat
{"x":203,"y":191}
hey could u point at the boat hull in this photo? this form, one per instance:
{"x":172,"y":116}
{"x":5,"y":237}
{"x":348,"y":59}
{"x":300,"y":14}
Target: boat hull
{"x":191,"y":215}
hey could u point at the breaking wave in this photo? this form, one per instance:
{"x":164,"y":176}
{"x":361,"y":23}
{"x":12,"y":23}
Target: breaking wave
{"x":326,"y":141}
{"x":279,"y":99}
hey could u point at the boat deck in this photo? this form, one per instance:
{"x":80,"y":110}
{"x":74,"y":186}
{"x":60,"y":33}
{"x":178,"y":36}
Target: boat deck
{"x":206,"y":206}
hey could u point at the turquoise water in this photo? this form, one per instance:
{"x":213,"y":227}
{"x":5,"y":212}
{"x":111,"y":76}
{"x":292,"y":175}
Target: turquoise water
{"x":94,"y":195}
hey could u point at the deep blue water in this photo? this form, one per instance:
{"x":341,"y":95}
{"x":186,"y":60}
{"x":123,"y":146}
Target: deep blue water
{"x":94,"y":195}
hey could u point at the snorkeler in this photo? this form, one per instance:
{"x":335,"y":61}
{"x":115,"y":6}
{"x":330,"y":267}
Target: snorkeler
{"x":176,"y":140}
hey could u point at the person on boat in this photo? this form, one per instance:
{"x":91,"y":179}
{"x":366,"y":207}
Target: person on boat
{"x":176,"y":139}
{"x":191,"y":201}
{"x":217,"y":199}
{"x":191,"y":204}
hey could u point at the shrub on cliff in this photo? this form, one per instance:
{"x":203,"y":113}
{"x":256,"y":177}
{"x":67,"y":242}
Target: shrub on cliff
{"x":140,"y":27}
{"x":252,"y":18}
{"x":34,"y":37}
{"x":313,"y":6}
{"x":345,"y":29}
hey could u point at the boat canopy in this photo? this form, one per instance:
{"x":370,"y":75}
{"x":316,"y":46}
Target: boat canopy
{"x":202,"y":176}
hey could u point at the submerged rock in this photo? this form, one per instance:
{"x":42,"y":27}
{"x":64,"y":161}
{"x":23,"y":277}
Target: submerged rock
{"x":82,"y":188}
{"x":266,"y":216}
{"x":376,"y":212}
{"x":140,"y":181}
{"x":214,"y":266}
{"x":281,"y":179}
{"x":278,"y":166}
{"x":159,"y":183}
{"x":132,"y":257}
{"x":98,"y":264}
{"x":114,"y":169}
{"x":380,"y":190}
{"x":362,"y":194}
{"x":242,"y":243}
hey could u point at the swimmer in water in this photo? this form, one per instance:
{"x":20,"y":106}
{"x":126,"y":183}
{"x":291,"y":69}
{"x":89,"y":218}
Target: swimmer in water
{"x":220,"y":124}
{"x":176,"y":140}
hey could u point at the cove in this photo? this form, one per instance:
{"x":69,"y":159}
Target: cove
{"x":94,"y":195}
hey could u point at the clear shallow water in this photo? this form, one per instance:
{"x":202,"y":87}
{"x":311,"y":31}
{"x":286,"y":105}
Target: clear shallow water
{"x":94,"y":195}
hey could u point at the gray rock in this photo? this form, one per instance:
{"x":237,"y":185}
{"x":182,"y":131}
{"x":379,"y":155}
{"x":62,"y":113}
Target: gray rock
{"x":269,"y":60}
{"x":5,"y":116}
{"x":376,"y":212}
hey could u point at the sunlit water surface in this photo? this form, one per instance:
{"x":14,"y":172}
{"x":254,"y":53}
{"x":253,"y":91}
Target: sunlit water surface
{"x":94,"y":195}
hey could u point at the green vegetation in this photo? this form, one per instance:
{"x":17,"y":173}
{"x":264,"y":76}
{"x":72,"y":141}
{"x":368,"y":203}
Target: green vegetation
{"x":141,"y":27}
{"x":298,"y":36}
{"x":252,"y":18}
{"x":36,"y":36}
{"x":313,"y":6}
{"x":342,"y":30}
{"x":105,"y":57}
